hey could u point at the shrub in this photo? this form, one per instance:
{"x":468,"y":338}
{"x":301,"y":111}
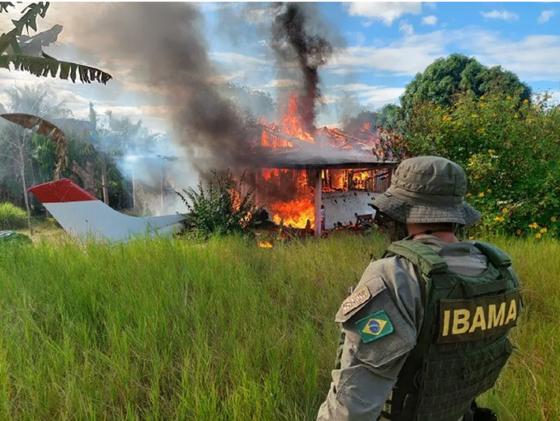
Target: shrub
{"x":12,"y":217}
{"x":218,"y":206}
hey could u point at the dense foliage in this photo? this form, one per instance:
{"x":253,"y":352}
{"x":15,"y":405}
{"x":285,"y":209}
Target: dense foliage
{"x":218,"y":205}
{"x":96,"y":147}
{"x":446,"y":77}
{"x":486,"y":120}
{"x":510,"y":150}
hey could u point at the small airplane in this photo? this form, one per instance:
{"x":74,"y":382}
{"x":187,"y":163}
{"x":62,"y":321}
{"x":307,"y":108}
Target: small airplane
{"x":84,"y":216}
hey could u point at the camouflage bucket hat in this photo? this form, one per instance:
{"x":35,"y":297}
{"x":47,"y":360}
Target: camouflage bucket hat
{"x":427,"y":189}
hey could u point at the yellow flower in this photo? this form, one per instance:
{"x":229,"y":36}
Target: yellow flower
{"x":538,"y":235}
{"x":505,"y":210}
{"x":543,"y":230}
{"x":499,"y":218}
{"x":534,"y":225}
{"x":525,"y":101}
{"x":481,"y":194}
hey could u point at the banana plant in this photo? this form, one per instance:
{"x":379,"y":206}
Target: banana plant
{"x":42,"y":65}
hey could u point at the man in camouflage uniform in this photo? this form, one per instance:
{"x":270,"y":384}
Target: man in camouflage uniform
{"x":425,"y":330}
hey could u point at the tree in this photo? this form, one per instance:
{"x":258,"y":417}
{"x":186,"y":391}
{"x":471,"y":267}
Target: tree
{"x":510,"y":151}
{"x":389,"y":117}
{"x":442,"y":80}
{"x":25,"y":53}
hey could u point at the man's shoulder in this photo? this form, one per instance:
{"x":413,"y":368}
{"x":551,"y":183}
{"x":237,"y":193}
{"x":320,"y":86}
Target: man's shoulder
{"x":381,"y":316}
{"x":387,"y":281}
{"x":395,"y":272}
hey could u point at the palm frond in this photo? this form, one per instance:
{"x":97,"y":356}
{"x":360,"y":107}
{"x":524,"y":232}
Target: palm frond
{"x":4,"y":6}
{"x":29,"y":18}
{"x":46,"y":65}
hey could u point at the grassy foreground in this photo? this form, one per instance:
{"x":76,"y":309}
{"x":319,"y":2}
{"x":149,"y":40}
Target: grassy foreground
{"x":223,"y":330}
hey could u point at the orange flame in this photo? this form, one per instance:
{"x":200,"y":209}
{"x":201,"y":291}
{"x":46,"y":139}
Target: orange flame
{"x":299,"y":211}
{"x":291,"y":121}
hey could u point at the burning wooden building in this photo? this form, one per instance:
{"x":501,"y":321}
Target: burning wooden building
{"x":319,"y":180}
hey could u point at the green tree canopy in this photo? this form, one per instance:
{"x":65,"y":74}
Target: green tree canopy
{"x":445,"y":78}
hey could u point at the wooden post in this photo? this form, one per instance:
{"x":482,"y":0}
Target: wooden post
{"x":23,"y":182}
{"x":318,"y":203}
{"x":133,"y":189}
{"x":104,"y":186}
{"x":161,"y":188}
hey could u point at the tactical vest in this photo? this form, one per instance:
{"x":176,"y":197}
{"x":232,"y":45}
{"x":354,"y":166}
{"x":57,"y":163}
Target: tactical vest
{"x":462,"y":345}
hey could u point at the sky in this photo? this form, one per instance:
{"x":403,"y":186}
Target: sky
{"x":379,"y":47}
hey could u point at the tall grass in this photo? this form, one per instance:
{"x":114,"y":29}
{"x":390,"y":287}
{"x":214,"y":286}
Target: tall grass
{"x":220,"y":330}
{"x":12,"y":217}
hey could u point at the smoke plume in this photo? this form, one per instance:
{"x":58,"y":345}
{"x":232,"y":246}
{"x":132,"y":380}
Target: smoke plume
{"x":161,"y":50}
{"x":165,"y":49}
{"x":293,"y":43}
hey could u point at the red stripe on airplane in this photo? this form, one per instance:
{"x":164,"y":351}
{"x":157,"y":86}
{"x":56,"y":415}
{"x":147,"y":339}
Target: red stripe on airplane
{"x":63,"y":190}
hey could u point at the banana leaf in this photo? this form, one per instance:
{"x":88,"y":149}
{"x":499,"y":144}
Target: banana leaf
{"x":42,"y":66}
{"x":4,"y":6}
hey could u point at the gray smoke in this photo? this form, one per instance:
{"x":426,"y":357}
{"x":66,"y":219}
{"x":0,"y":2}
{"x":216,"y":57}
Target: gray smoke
{"x":164,"y":44}
{"x":296,"y":44}
{"x":299,"y":40}
{"x":165,"y":50}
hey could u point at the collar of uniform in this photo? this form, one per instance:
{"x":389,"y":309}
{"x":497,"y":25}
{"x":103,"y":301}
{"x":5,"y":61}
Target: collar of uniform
{"x":429,"y":239}
{"x":461,"y":257}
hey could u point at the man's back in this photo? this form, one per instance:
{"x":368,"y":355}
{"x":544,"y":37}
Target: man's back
{"x":425,"y":330}
{"x":394,"y":285}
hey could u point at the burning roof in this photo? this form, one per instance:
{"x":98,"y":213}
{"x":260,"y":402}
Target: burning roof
{"x":329,"y":148}
{"x":290,"y":145}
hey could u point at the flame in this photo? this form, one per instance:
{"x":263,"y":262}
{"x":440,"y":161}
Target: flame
{"x":297,"y":213}
{"x":335,"y":180}
{"x":299,"y":210}
{"x":287,"y":194}
{"x":291,"y":121}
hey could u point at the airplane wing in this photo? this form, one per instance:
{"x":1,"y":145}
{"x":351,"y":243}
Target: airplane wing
{"x":84,"y":216}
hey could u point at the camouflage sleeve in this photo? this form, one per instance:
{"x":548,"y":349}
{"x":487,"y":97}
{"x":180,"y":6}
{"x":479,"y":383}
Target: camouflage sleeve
{"x":379,"y":333}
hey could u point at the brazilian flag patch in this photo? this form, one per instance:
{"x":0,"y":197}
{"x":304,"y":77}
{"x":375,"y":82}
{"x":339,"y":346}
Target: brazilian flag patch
{"x":374,"y":326}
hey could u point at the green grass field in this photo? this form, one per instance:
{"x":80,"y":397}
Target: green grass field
{"x":223,"y":330}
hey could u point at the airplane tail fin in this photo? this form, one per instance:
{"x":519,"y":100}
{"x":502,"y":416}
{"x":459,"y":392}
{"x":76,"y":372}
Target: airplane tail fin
{"x":83,"y":215}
